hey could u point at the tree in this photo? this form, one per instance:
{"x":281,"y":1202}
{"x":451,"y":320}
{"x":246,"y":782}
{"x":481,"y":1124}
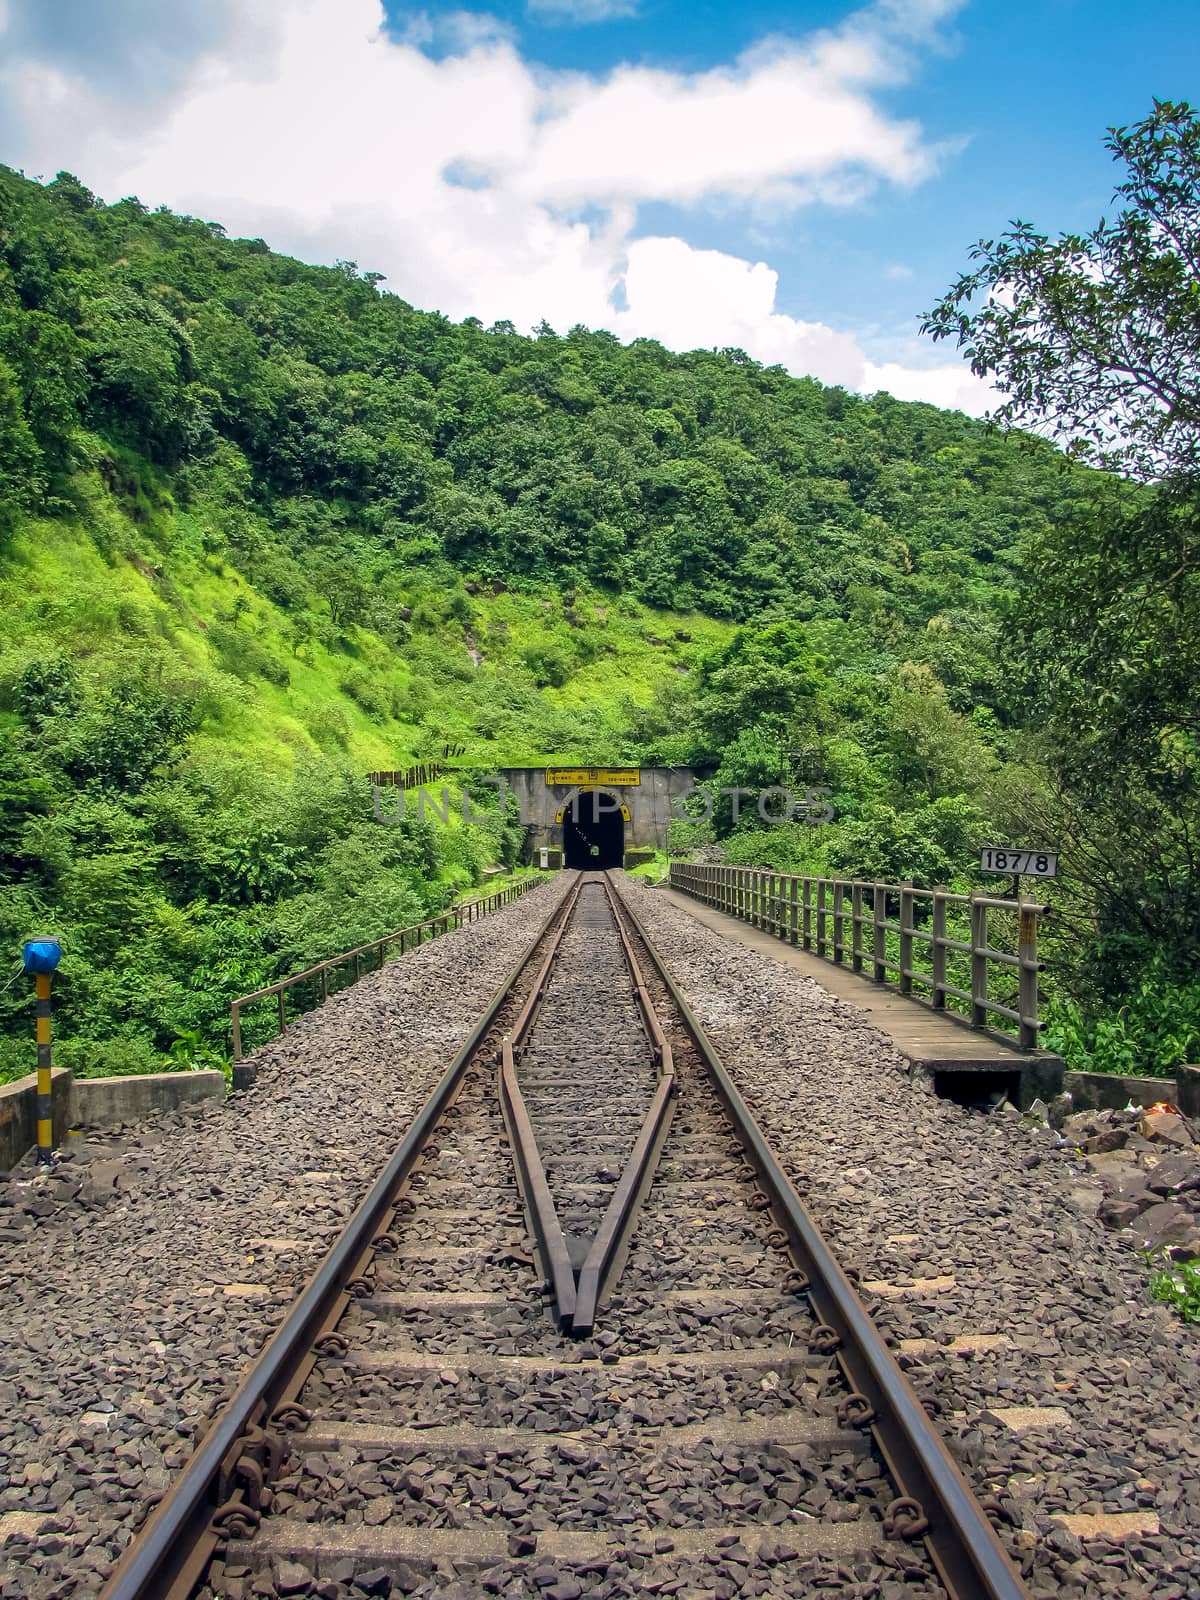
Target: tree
{"x":1096,"y":337}
{"x":934,"y":745}
{"x":23,"y":480}
{"x":140,"y":362}
{"x":1096,"y":340}
{"x":768,"y":675}
{"x":1111,"y":658}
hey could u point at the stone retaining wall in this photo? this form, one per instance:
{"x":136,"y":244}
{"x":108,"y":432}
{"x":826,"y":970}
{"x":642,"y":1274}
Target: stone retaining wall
{"x":18,"y":1114}
{"x":1113,"y":1091}
{"x":96,"y":1102}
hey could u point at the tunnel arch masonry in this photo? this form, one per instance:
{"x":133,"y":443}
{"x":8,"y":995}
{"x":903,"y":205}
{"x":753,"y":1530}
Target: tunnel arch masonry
{"x":643,"y":800}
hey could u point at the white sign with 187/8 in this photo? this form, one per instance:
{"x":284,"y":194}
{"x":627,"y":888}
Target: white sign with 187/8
{"x":1022,"y":863}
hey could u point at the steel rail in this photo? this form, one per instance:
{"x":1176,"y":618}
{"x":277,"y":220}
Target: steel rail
{"x":543,"y":1216}
{"x":576,"y":1294}
{"x":523,"y":1022}
{"x":962,"y":1543}
{"x":607,"y":1249}
{"x":544,"y":1221}
{"x":616,"y":1227}
{"x":170,"y":1554}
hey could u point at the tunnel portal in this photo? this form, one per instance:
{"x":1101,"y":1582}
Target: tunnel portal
{"x":593,"y":832}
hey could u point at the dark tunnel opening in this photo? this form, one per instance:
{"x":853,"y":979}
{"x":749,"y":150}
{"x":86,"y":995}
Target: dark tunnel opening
{"x":978,"y":1091}
{"x":593,"y":832}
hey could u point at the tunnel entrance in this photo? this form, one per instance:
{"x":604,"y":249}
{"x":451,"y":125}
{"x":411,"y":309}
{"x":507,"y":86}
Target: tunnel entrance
{"x":593,"y":832}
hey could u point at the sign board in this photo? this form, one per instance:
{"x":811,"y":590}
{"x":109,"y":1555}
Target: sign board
{"x":1019,"y":863}
{"x":623,"y":777}
{"x":543,"y":858}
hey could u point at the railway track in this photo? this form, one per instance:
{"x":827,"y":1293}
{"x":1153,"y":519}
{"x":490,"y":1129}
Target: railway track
{"x":582,"y":1338}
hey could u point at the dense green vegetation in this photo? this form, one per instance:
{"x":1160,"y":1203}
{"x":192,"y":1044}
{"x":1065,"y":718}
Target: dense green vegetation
{"x":1095,"y":338}
{"x":264,"y":528}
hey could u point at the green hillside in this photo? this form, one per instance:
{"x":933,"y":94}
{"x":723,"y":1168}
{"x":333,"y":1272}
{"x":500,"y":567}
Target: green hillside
{"x":265,"y":527}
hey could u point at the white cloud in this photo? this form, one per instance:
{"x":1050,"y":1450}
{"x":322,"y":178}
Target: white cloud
{"x":897,"y":271}
{"x":951,"y":384}
{"x":451,"y":32}
{"x":791,"y":124}
{"x":581,"y":11}
{"x":689,"y":299}
{"x":462,"y":179}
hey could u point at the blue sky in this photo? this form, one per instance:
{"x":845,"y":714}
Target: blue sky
{"x":799,"y":180}
{"x":1028,"y":86}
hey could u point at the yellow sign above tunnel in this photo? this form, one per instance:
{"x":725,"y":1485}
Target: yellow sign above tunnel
{"x":624,"y":777}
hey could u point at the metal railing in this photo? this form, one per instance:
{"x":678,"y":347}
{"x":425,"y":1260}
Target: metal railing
{"x":407,"y":777}
{"x":358,"y":959}
{"x":419,"y":772}
{"x":850,"y":920}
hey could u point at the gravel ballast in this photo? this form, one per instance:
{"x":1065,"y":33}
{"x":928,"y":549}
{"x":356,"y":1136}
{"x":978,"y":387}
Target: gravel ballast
{"x":1079,"y":1399}
{"x":133,"y":1302}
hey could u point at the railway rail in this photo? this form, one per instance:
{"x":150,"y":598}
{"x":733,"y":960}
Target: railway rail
{"x":581,"y":1337}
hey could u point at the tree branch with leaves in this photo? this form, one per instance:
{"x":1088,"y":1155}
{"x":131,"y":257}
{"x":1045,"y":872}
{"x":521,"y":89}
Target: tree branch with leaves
{"x":1094,"y":339}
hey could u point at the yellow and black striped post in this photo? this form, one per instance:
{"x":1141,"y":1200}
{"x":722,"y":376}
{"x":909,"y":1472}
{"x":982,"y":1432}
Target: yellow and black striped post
{"x":45,"y":1110}
{"x":41,"y":957}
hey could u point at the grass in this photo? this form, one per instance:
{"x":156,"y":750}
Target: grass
{"x":1178,"y":1285}
{"x":652,"y":871}
{"x":512,"y":678}
{"x":550,"y":681}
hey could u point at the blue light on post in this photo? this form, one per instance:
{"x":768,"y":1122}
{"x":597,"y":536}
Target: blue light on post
{"x":41,"y":956}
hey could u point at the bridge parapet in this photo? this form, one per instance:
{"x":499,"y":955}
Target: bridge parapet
{"x":895,"y":931}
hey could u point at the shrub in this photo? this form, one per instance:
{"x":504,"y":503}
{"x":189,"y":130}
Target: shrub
{"x":241,"y":654}
{"x":128,"y":1053}
{"x":328,"y":725}
{"x":373,"y":694}
{"x":1156,"y":1030}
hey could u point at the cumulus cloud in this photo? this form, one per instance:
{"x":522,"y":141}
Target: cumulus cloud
{"x":794,"y":123}
{"x":689,"y":298}
{"x":950,"y":384}
{"x":481,"y":185}
{"x":450,"y":32}
{"x":138,"y":46}
{"x":581,"y":11}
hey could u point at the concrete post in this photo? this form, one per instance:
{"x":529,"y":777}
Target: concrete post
{"x":906,"y":938}
{"x":938,"y":946}
{"x":879,"y":937}
{"x":979,"y":971}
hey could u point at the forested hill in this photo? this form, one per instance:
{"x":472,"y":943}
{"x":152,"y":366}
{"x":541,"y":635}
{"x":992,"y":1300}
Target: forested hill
{"x":344,"y":435}
{"x":264,"y":527}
